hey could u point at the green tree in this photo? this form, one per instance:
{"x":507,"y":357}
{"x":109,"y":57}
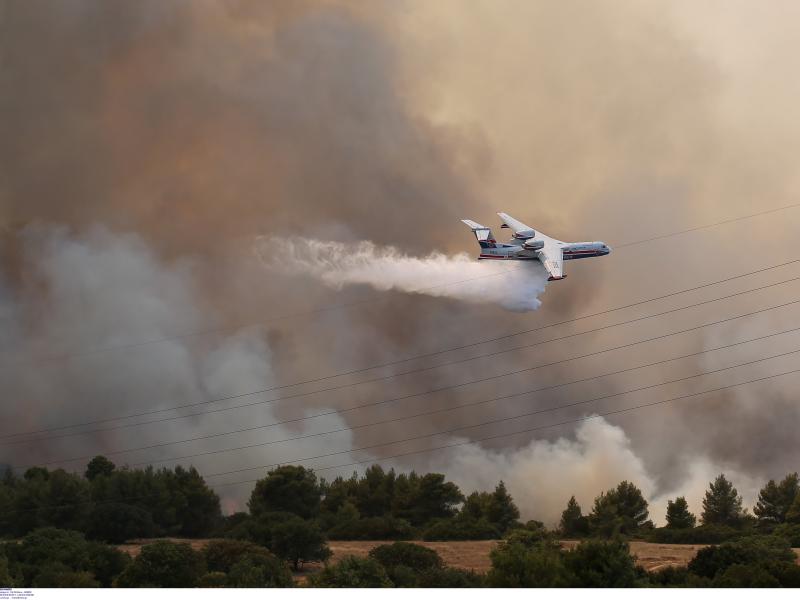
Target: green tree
{"x":573,"y":523}
{"x":56,"y":575}
{"x":622,"y":510}
{"x":221,"y":555}
{"x":57,"y":551}
{"x":420,"y":500}
{"x":746,"y":576}
{"x":722,"y":504}
{"x":409,"y":556}
{"x":523,"y":561}
{"x":714,"y":560}
{"x":213,"y":579}
{"x":299,"y":541}
{"x":501,"y":509}
{"x":601,"y":564}
{"x":289,"y":488}
{"x":116,"y":523}
{"x":775,"y":499}
{"x":164,"y":564}
{"x":450,"y":578}
{"x":352,"y":572}
{"x":793,"y":514}
{"x":678,"y":515}
{"x":259,"y":571}
{"x":6,"y":580}
{"x":98,"y":466}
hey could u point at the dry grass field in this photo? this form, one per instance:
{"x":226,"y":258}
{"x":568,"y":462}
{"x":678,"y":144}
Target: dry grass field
{"x":475,"y":555}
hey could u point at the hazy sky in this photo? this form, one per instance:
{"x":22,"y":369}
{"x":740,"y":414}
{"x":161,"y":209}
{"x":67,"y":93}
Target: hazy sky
{"x":147,"y":147}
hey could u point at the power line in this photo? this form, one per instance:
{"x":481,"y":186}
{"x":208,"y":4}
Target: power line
{"x":531,"y":429}
{"x":260,"y":427}
{"x":443,"y":410}
{"x":376,"y":298}
{"x":710,"y":225}
{"x":491,"y":422}
{"x":385,"y":377}
{"x":457,"y":444}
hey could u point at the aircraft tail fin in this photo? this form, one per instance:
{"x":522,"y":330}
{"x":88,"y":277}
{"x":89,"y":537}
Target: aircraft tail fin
{"x":482,"y":234}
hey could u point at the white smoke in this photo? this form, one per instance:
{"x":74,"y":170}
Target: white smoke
{"x":542,"y":475}
{"x":515,"y":286}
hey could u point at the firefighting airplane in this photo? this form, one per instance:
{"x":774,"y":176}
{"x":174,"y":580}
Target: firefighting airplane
{"x":527,"y":244}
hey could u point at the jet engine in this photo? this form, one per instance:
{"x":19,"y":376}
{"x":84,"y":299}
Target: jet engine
{"x":533,"y":244}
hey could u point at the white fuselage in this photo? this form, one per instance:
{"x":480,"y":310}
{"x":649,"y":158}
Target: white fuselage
{"x":515,"y":249}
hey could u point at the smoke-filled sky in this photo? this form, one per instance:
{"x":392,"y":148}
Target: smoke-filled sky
{"x":205,"y":199}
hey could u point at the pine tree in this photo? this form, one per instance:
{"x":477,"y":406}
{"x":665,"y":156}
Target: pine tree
{"x":573,"y":523}
{"x":501,"y":509}
{"x":722,"y":504}
{"x":793,"y":514}
{"x":775,"y":499}
{"x":678,"y":515}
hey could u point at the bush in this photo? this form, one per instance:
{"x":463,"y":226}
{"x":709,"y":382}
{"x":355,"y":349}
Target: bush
{"x":746,"y":576}
{"x":213,"y":579}
{"x":705,"y":534}
{"x":221,"y":555}
{"x":372,"y":528}
{"x":56,"y":575}
{"x":599,"y":564}
{"x":164,"y":564}
{"x":450,"y":578}
{"x":106,"y":562}
{"x":461,"y":529}
{"x":259,"y":571}
{"x":49,"y":548}
{"x":299,"y":541}
{"x":352,"y":572}
{"x":519,"y":563}
{"x":116,"y":523}
{"x":714,"y":560}
{"x":6,"y":580}
{"x":790,"y":532}
{"x":404,"y":554}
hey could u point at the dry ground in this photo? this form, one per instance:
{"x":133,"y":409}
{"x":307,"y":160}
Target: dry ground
{"x":475,"y":555}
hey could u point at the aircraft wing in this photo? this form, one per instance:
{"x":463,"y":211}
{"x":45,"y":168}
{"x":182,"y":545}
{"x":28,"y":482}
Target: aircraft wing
{"x":518,"y":227}
{"x":552,"y":257}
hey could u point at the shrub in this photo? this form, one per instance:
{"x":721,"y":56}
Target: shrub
{"x":669,"y":577}
{"x":372,"y":528}
{"x":519,"y":563}
{"x":116,"y":523}
{"x":106,"y":562}
{"x":461,"y":529}
{"x":164,"y":564}
{"x":714,"y":560}
{"x":602,"y":564}
{"x":6,"y":580}
{"x":352,"y":572}
{"x":259,"y":571}
{"x":56,"y":575}
{"x":213,"y":579}
{"x":746,"y":576}
{"x":41,"y":549}
{"x":409,"y":555}
{"x":790,"y":532}
{"x":450,"y":578}
{"x":221,"y":555}
{"x":299,"y":541}
{"x":705,"y":534}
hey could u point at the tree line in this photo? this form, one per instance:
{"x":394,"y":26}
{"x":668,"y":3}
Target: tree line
{"x":292,"y":514}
